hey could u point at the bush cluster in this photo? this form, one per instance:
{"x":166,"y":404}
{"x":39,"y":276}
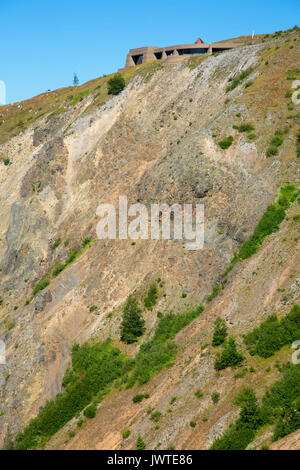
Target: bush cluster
{"x":115,"y":84}
{"x":160,"y":351}
{"x":151,"y":298}
{"x":229,"y":357}
{"x":226,"y":143}
{"x":94,"y":367}
{"x":273,"y":333}
{"x":268,"y":224}
{"x":276,"y":142}
{"x":280,"y":406}
{"x":238,"y":79}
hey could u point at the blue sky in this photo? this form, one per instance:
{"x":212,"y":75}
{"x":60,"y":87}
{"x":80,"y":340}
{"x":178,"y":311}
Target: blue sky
{"x":42,"y":43}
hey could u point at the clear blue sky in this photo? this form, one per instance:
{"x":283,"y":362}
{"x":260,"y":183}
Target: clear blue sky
{"x":43,"y":42}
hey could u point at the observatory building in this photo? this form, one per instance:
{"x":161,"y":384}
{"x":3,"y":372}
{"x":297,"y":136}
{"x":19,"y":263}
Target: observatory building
{"x":174,"y":53}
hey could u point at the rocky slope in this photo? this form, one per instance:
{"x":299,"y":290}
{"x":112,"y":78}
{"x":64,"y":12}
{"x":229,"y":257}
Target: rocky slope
{"x":66,"y":152}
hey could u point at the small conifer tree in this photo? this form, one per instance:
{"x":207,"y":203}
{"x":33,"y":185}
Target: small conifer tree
{"x":132,"y":325}
{"x":220,"y":332}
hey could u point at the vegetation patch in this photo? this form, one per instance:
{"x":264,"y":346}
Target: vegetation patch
{"x":276,"y":142}
{"x":226,"y":143}
{"x":58,"y":267}
{"x":94,"y":368}
{"x":214,"y":292}
{"x":151,"y":298}
{"x":293,"y":74}
{"x":280,"y":406}
{"x":160,"y":351}
{"x":243,"y":431}
{"x":245,"y":127}
{"x":140,"y":443}
{"x":220,"y":332}
{"x":140,"y":397}
{"x":268,"y":224}
{"x":115,"y":84}
{"x":273,"y":334}
{"x":132,"y":324}
{"x":238,"y":79}
{"x":229,"y":357}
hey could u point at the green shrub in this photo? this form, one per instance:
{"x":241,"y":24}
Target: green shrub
{"x":193,"y":424}
{"x":215,"y":396}
{"x":160,"y":351}
{"x":273,"y":334}
{"x":115,"y":84}
{"x":246,"y":127}
{"x":90,"y":411}
{"x":86,"y":241}
{"x":226,"y":143}
{"x":229,"y":357}
{"x":94,"y":368}
{"x":126,"y":433}
{"x":72,"y":255}
{"x":292,"y":74}
{"x":240,"y":433}
{"x":245,"y":395}
{"x":220,"y":332}
{"x":57,"y":269}
{"x":151,"y":298}
{"x":56,"y":243}
{"x":140,"y":444}
{"x":138,"y":398}
{"x":268,"y":224}
{"x":215,"y":290}
{"x":271,"y":151}
{"x":41,"y":285}
{"x":281,"y":403}
{"x":276,"y":141}
{"x":155,"y":416}
{"x":198,"y":394}
{"x":238,"y":79}
{"x":132,"y":325}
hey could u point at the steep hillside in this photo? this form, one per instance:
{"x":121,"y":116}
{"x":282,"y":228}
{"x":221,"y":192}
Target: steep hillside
{"x":65,"y":152}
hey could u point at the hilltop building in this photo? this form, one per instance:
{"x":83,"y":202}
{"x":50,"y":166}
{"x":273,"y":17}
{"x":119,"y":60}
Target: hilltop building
{"x":174,"y":53}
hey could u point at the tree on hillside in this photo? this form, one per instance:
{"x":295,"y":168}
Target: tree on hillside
{"x":75,"y":79}
{"x":220,"y":332}
{"x":132,"y":325}
{"x":115,"y":84}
